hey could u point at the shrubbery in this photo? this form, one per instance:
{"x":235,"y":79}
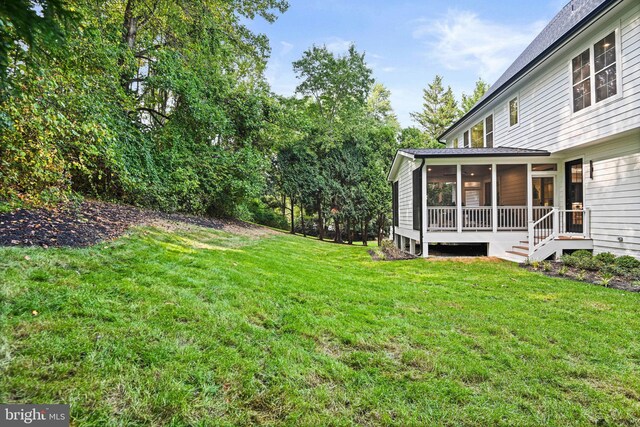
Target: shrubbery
{"x":606,"y":263}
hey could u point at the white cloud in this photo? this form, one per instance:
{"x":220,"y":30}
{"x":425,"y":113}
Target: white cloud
{"x":285,"y":48}
{"x":462,"y":40}
{"x":388,"y":69}
{"x":338,"y":45}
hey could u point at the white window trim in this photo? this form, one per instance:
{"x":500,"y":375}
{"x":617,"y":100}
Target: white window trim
{"x":493,"y":131}
{"x":484,"y":131}
{"x":592,"y":74}
{"x":509,"y":99}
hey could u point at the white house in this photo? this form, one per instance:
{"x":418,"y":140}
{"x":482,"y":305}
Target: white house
{"x":549,"y":159}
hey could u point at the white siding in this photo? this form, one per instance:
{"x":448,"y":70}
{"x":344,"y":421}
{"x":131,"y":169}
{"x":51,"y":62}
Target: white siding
{"x":546,"y":118}
{"x":614,"y":195}
{"x":405,"y":193}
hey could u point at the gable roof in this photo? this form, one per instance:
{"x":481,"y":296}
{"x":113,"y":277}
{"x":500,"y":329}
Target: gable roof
{"x":573,"y":17}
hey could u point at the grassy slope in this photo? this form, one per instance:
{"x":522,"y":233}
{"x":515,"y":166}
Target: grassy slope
{"x":202,"y":327}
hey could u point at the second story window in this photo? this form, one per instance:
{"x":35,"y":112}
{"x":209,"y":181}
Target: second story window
{"x":488,"y":131}
{"x":581,"y":68}
{"x":594,"y":73}
{"x":477,"y":135}
{"x":466,"y":139}
{"x":604,"y":64}
{"x":455,"y":143}
{"x":514,"y":115}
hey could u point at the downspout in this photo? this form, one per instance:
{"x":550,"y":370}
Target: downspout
{"x":422,"y":190}
{"x":393,"y":215}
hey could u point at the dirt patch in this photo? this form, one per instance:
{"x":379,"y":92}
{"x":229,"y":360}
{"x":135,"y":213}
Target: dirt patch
{"x":90,"y":222}
{"x":558,"y":269}
{"x":388,"y":252}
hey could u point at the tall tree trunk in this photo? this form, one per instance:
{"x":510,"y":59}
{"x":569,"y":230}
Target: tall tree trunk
{"x":320,"y":222}
{"x":293,"y":218}
{"x":365,"y":232}
{"x":349,"y":234}
{"x":284,"y":206}
{"x":129,"y":32}
{"x":304,"y":232}
{"x":338,"y":238}
{"x":380,"y":227}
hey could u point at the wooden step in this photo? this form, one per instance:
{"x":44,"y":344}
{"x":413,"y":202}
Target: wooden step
{"x":526,"y":248}
{"x":518,"y":253}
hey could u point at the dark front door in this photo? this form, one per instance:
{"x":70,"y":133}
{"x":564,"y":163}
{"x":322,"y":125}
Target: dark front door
{"x":574,"y":195}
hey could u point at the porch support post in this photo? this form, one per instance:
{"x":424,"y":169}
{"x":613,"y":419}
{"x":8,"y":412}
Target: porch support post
{"x":494,"y":197}
{"x":424,"y":246}
{"x":459,"y":197}
{"x":529,"y":194}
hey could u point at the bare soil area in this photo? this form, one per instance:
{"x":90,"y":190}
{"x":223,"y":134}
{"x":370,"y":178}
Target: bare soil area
{"x":90,"y":222}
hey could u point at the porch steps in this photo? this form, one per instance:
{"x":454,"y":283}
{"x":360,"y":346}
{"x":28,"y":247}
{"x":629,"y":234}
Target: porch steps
{"x":520,"y":251}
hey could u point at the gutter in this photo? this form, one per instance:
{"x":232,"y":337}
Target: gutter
{"x":421,"y":212}
{"x":585,"y":23}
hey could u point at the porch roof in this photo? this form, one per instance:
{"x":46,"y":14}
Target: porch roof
{"x":423,"y":153}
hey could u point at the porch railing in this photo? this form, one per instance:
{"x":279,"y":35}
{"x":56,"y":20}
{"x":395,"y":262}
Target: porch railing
{"x":556,"y":223}
{"x":476,"y":218}
{"x":442,"y":218}
{"x":512,"y":218}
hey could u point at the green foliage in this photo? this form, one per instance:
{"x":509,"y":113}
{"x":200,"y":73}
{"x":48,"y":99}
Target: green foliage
{"x":467,"y":102}
{"x":162,"y":106}
{"x":260,"y":213}
{"x":605,"y":258}
{"x":582,"y":253}
{"x":582,"y":259}
{"x":627,"y":263}
{"x":439,"y":110}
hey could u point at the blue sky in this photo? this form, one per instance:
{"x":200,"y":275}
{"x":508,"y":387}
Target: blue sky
{"x":408,"y":42}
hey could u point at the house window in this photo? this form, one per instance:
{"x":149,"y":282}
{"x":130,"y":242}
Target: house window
{"x":455,"y":143}
{"x":581,"y":68}
{"x":466,"y":139}
{"x":477,"y":135}
{"x":604,"y":64}
{"x":417,"y":198}
{"x":601,"y":83}
{"x":513,"y":112}
{"x":488,"y":131}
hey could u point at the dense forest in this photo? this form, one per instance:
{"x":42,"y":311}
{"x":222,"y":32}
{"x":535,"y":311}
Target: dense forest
{"x":164,"y":104}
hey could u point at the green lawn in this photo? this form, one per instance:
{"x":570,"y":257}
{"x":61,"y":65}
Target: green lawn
{"x":206,"y":328}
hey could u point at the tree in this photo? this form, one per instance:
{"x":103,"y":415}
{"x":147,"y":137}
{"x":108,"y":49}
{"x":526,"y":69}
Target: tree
{"x":468,"y":102}
{"x":152,"y":102}
{"x":439,"y":109}
{"x":337,"y":88}
{"x":35,"y":24}
{"x":379,"y":105}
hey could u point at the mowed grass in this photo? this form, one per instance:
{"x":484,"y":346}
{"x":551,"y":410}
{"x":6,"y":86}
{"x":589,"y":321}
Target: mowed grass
{"x":205,"y":328}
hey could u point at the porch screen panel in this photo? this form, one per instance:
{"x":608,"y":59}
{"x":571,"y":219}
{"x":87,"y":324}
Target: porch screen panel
{"x":417,"y":197}
{"x":441,"y":198}
{"x":512,"y":197}
{"x":476,"y":197}
{"x":395,"y":207}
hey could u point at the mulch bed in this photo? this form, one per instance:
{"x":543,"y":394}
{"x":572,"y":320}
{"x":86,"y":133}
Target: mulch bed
{"x":89,"y":222}
{"x":387,"y":253}
{"x":593,"y":277}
